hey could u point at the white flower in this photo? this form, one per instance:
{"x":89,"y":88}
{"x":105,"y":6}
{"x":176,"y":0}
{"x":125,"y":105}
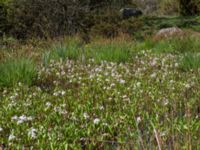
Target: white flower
{"x":32,"y":132}
{"x":29,"y":118}
{"x":122,"y":81}
{"x":165,"y":102}
{"x":14,"y":117}
{"x":63,"y":93}
{"x":96,"y":121}
{"x":153,"y":63}
{"x":153,"y":75}
{"x":112,"y":85}
{"x":101,"y":108}
{"x":138,"y":119}
{"x":138,"y":84}
{"x":124,"y":96}
{"x":176,"y":64}
{"x":63,"y":73}
{"x":11,"y":137}
{"x":23,"y":118}
{"x":85,"y":115}
{"x":105,"y":124}
{"x":1,"y":129}
{"x":20,"y":121}
{"x":55,"y":94}
{"x":48,"y":104}
{"x":187,"y":86}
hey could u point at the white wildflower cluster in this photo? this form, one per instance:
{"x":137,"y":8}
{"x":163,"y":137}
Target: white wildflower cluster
{"x":60,"y":110}
{"x":59,"y":93}
{"x":104,"y":95}
{"x":21,"y":119}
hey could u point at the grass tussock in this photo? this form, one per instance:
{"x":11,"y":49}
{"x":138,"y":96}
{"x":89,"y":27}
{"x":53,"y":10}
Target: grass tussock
{"x":190,"y":62}
{"x":14,"y":71}
{"x":107,"y":50}
{"x":175,"y":45}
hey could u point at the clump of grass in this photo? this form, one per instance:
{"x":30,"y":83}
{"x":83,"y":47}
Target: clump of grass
{"x":110,"y":52}
{"x":72,"y":49}
{"x":64,"y":50}
{"x":176,"y":45}
{"x":14,"y":71}
{"x":190,"y":62}
{"x":162,"y":46}
{"x":186,"y":44}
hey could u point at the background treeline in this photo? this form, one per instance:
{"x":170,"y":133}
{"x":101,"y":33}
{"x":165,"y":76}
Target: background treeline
{"x":51,"y":18}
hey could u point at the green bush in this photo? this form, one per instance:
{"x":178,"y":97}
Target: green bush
{"x":189,"y":7}
{"x":169,"y":7}
{"x":4,"y":25}
{"x":50,"y":18}
{"x":104,"y":29}
{"x":17,"y":70}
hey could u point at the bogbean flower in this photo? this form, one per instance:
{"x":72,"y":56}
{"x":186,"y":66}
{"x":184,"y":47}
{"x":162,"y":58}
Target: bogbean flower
{"x":138,"y":119}
{"x":165,"y":102}
{"x":138,"y":84}
{"x":48,"y":104}
{"x":187,"y":85}
{"x":96,"y":121}
{"x":85,"y":115}
{"x":63,"y":93}
{"x":122,"y":81}
{"x":101,"y":108}
{"x":32,"y":133}
{"x":11,"y":137}
{"x":153,"y":75}
{"x":22,"y":119}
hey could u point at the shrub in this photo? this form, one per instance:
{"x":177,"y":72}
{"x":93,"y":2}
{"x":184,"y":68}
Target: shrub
{"x":169,"y":7}
{"x":46,"y":18}
{"x":189,"y":7}
{"x":14,"y":71}
{"x":131,"y":25}
{"x":104,"y":29}
{"x":4,"y":25}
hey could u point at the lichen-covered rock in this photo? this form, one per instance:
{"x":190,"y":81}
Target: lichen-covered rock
{"x":168,"y":32}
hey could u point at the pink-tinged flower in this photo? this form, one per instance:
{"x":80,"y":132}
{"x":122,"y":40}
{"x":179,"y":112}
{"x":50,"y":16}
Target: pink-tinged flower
{"x":96,"y":121}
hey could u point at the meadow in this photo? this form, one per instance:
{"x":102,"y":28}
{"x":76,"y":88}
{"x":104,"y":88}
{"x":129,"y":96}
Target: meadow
{"x":109,"y":94}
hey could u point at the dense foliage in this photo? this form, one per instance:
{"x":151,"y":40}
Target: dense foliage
{"x":50,"y":18}
{"x":189,"y":7}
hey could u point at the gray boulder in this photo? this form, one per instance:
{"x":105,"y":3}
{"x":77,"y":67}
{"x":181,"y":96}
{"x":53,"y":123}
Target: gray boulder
{"x":130,"y":12}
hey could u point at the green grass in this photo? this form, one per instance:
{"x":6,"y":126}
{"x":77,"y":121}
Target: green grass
{"x":14,"y":71}
{"x":63,"y":50}
{"x":156,"y":23}
{"x":176,"y":45}
{"x":114,"y":52}
{"x":190,"y":61}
